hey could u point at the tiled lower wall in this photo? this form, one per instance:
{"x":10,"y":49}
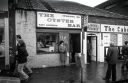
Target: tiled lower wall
{"x":45,"y":60}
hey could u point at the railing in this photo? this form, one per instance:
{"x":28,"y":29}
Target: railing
{"x":120,"y":56}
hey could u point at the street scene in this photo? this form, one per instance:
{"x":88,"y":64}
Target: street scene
{"x":63,"y":41}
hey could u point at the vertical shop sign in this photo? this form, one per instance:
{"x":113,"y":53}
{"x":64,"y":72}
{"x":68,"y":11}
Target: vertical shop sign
{"x":120,"y":40}
{"x":106,"y":39}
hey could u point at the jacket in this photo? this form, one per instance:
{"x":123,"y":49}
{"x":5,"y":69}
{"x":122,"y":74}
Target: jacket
{"x":112,"y":55}
{"x":22,"y":52}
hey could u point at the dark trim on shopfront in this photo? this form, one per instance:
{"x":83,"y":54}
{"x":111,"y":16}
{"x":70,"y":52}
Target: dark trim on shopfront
{"x":58,"y":30}
{"x":3,"y":14}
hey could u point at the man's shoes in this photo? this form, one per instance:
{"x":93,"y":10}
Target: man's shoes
{"x":26,"y":80}
{"x":105,"y":79}
{"x":113,"y":81}
{"x":30,"y":74}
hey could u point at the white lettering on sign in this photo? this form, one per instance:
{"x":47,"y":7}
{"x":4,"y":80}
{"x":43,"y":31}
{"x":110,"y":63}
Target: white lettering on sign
{"x":114,"y":28}
{"x":93,"y":27}
{"x":58,"y":20}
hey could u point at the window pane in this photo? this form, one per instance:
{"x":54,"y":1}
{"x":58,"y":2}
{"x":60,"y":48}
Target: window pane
{"x":47,"y":42}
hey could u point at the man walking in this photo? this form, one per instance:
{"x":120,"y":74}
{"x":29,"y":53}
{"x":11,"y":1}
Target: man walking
{"x":112,"y":56}
{"x":22,"y":58}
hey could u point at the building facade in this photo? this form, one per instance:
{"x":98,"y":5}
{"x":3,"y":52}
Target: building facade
{"x":42,"y":24}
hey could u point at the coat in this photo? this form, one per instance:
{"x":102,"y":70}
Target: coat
{"x":112,"y":55}
{"x":22,"y":52}
{"x":125,"y":50}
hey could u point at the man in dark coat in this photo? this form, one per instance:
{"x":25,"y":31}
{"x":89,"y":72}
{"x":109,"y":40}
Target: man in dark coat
{"x":125,"y":54}
{"x":22,"y":58}
{"x":112,"y":57}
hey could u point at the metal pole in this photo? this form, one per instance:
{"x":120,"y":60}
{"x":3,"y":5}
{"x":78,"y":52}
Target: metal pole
{"x":82,"y":55}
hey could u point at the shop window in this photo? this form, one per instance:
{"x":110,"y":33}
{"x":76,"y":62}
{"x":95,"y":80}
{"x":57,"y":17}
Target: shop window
{"x":47,"y":42}
{"x":2,"y":42}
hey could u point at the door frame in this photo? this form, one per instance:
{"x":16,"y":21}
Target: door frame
{"x":94,"y":35}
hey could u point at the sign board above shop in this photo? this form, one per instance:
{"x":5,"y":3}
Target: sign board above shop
{"x":114,"y":28}
{"x":58,"y":20}
{"x":93,"y":27}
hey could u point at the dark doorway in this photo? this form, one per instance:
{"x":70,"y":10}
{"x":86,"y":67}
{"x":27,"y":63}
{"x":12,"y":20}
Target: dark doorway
{"x":74,"y":46}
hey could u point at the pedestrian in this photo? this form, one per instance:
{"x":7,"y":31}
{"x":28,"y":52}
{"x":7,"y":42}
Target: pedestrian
{"x":89,"y":49}
{"x":63,"y":52}
{"x":112,"y":58}
{"x":125,"y":55}
{"x":22,"y":55}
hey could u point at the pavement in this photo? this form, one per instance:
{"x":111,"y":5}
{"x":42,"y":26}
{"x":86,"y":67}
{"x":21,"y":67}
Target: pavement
{"x":94,"y":73}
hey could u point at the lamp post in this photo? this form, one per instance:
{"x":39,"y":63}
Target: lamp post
{"x":83,"y":44}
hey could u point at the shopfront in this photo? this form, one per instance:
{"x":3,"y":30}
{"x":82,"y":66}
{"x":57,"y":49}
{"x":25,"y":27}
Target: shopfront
{"x":43,"y":33}
{"x":99,"y":37}
{"x":114,"y":33}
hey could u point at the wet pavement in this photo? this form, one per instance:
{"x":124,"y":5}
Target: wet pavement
{"x":94,"y":72}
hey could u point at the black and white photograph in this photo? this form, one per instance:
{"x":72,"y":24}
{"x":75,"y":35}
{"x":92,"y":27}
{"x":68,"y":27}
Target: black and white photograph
{"x":63,"y":41}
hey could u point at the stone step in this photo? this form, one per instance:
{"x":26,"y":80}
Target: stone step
{"x":9,"y":80}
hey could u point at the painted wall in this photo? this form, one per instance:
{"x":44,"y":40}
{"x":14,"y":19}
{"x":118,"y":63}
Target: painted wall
{"x":26,"y":27}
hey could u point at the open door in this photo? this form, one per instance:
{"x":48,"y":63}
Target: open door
{"x":91,"y":48}
{"x":74,"y":46}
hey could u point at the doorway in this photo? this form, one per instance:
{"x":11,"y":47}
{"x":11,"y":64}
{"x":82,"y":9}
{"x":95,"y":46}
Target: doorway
{"x":74,"y":46}
{"x":91,"y":48}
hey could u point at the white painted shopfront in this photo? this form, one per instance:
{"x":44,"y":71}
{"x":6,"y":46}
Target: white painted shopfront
{"x":100,"y":36}
{"x":114,"y":33}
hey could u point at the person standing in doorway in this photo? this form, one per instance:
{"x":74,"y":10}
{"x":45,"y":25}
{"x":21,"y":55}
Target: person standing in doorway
{"x":112,"y":58}
{"x":22,"y":55}
{"x":89,"y":49}
{"x":62,"y":51}
{"x":125,"y":55}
